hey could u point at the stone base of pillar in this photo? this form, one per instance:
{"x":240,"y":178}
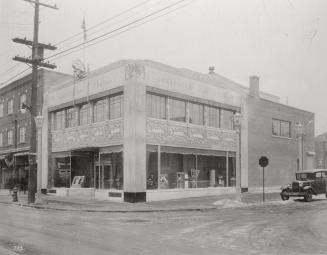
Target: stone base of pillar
{"x":134,"y":197}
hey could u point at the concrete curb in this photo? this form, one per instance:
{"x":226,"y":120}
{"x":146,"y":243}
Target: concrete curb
{"x":200,"y":209}
{"x":35,"y":206}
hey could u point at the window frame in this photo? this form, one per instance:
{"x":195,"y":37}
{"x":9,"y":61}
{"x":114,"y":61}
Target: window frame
{"x":11,"y":140}
{"x":162,"y":113}
{"x":170,"y":100}
{"x":105,"y":112}
{"x":22,"y":135}
{"x":200,"y":113}
{"x":280,"y":132}
{"x":1,"y":109}
{"x":11,"y":106}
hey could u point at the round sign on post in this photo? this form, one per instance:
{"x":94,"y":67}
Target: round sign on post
{"x":263,"y":162}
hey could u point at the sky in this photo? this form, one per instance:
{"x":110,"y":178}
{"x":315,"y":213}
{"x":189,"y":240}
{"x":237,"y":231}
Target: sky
{"x":284,"y":42}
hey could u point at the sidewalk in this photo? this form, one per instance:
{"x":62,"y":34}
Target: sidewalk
{"x":51,"y":202}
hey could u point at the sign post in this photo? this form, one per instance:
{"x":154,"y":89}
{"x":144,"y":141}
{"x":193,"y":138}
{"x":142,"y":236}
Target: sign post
{"x":263,"y":162}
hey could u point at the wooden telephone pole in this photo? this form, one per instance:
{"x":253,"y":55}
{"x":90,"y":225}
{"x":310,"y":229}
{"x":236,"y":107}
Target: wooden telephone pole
{"x":36,"y":61}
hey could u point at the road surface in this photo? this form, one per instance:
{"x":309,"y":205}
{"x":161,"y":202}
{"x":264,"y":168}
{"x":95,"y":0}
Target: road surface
{"x":292,"y":227}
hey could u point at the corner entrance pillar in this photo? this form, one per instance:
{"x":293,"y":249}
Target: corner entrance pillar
{"x":134,"y":134}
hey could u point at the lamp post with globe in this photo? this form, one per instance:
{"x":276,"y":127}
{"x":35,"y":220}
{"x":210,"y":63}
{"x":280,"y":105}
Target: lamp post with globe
{"x":237,"y":126}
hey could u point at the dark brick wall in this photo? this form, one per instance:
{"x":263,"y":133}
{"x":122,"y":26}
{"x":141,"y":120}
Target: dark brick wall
{"x":282,"y":152}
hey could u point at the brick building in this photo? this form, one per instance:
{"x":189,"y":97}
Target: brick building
{"x":321,"y":150}
{"x":141,"y":131}
{"x":15,"y":126}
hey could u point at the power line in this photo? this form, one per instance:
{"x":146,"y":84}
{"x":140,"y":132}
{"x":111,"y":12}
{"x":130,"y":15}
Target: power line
{"x":128,"y":29}
{"x":75,"y":35}
{"x":111,"y":24}
{"x":117,"y":29}
{"x":105,"y":21}
{"x":13,"y":77}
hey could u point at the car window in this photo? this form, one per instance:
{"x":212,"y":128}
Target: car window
{"x":318,"y":175}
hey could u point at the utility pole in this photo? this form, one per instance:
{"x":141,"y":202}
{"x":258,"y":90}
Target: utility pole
{"x":36,"y":61}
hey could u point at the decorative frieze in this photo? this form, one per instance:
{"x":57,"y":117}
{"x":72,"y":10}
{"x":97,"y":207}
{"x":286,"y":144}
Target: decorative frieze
{"x":163,"y":132}
{"x":93,"y":135}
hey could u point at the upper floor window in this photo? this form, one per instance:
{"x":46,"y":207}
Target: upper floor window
{"x":22,"y":134}
{"x":177,"y":110}
{"x":1,"y":139}
{"x":100,"y":110}
{"x":227,"y":119}
{"x":281,"y":128}
{"x":116,"y":107}
{"x":213,"y":117}
{"x":85,"y":114}
{"x":1,"y":110}
{"x":70,"y":117}
{"x":10,"y":106}
{"x":22,"y":100}
{"x":196,"y":113}
{"x":59,"y":120}
{"x":156,"y":106}
{"x":10,"y":137}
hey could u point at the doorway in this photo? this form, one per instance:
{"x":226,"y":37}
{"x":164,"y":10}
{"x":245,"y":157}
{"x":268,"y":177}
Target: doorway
{"x":104,"y":177}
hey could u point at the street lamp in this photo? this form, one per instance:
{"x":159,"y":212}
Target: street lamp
{"x":39,"y":123}
{"x":299,"y":132}
{"x":237,"y":126}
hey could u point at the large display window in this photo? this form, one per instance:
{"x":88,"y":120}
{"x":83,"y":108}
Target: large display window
{"x":108,"y":170}
{"x":179,"y":168}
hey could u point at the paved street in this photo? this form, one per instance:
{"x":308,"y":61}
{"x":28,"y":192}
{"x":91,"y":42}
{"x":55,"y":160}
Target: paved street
{"x":292,"y":227}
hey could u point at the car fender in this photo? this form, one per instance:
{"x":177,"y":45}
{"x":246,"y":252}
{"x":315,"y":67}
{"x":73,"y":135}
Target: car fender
{"x":309,"y":188}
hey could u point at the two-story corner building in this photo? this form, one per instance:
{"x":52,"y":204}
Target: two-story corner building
{"x":15,"y":127}
{"x":321,"y":151}
{"x":143,"y":131}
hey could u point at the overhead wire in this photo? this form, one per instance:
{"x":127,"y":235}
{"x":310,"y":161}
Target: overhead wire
{"x":128,"y":29}
{"x":115,"y":30}
{"x":106,"y":36}
{"x":103,"y":22}
{"x":110,"y":24}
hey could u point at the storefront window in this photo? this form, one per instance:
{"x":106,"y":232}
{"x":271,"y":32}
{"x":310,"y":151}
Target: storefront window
{"x":85,"y":114}
{"x":213,"y":117}
{"x":189,"y":168}
{"x":116,"y":105}
{"x":82,"y":163}
{"x":61,"y":172}
{"x":227,"y":119}
{"x":156,"y":106}
{"x":196,"y":113}
{"x":100,"y":110}
{"x":109,"y":171}
{"x":152,"y":167}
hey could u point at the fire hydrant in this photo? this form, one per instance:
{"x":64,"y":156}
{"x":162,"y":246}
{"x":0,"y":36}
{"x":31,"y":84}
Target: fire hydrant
{"x":14,"y":194}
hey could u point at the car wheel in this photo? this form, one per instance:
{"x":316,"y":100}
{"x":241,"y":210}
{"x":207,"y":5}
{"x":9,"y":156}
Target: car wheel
{"x":308,"y":196}
{"x":284,"y":197}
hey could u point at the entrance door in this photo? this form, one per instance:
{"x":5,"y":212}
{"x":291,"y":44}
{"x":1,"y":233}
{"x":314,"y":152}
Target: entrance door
{"x":103,"y":177}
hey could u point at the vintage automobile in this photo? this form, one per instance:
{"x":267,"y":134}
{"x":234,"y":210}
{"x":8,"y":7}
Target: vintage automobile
{"x":308,"y":183}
